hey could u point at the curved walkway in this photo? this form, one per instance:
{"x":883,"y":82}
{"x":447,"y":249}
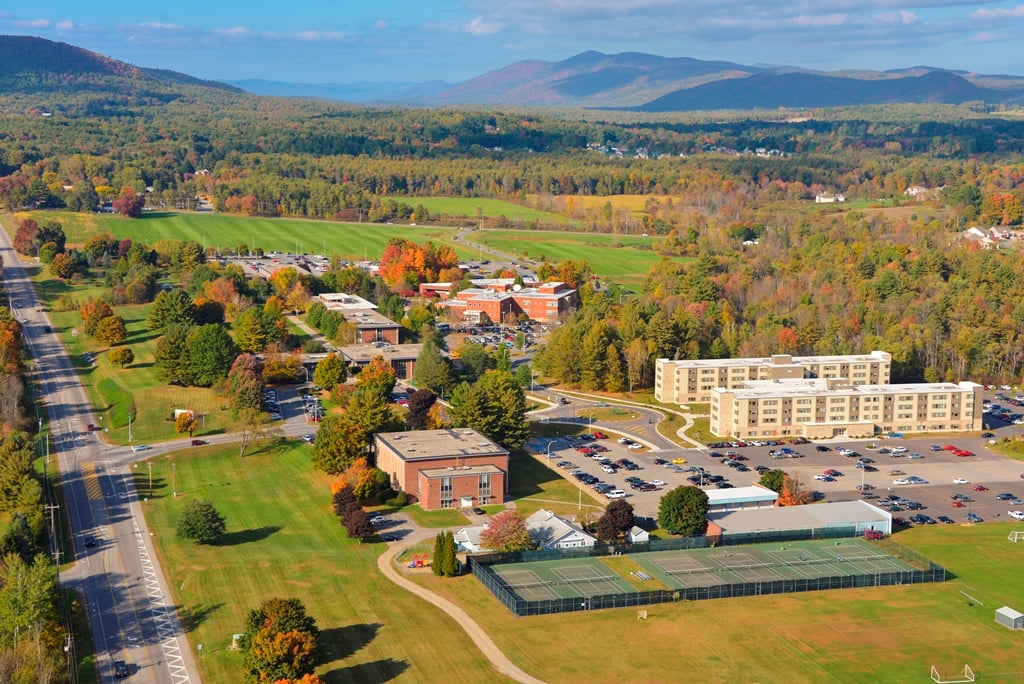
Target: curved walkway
{"x":490,"y":650}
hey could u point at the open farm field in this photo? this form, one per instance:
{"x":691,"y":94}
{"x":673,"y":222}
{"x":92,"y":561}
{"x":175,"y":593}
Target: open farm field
{"x":635,"y":203}
{"x":884,"y":634}
{"x":350,"y":240}
{"x":625,"y":259}
{"x":284,"y":541}
{"x":474,"y":207}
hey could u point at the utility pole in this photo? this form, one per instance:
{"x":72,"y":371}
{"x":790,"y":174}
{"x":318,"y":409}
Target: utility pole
{"x":150,"y":464}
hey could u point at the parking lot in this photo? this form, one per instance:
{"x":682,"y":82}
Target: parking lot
{"x":924,"y":458}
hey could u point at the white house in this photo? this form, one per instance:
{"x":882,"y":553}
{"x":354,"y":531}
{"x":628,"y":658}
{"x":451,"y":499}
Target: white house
{"x":550,"y":531}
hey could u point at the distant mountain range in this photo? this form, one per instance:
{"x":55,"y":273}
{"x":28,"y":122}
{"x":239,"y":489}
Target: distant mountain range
{"x":629,"y":80}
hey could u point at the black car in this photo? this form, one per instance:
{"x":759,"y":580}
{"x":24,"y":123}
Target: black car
{"x":479,"y":511}
{"x":945,"y":520}
{"x":987,"y":435}
{"x":121,"y":669}
{"x":821,"y":448}
{"x":1005,"y":496}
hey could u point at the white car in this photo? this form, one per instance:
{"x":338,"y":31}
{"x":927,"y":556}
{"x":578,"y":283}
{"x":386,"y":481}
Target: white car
{"x":1016,"y":515}
{"x":658,"y":483}
{"x":616,"y":494}
{"x":961,"y":480}
{"x":377,"y":519}
{"x":140,"y":447}
{"x":901,"y":482}
{"x":634,"y":445}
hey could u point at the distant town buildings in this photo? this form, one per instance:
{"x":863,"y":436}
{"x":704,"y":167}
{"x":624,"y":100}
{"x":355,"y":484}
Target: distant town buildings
{"x":501,"y":299}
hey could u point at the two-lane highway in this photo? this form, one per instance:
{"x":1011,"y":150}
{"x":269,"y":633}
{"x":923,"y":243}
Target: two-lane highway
{"x":115,"y":571}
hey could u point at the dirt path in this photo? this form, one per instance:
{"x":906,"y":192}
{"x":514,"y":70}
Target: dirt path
{"x":387,"y":566}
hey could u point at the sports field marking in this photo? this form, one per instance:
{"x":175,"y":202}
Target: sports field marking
{"x":521,"y":578}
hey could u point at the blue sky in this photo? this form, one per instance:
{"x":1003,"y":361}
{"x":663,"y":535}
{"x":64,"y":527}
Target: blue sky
{"x":344,"y":41}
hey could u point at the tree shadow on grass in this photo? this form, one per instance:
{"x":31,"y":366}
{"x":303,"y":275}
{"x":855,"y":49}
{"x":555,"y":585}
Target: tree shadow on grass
{"x":343,"y":642}
{"x":246,"y":536}
{"x":275,"y":445}
{"x":377,"y":672}
{"x":191,"y":618}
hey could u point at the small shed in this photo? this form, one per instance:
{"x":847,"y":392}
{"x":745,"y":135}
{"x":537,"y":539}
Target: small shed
{"x":1008,"y":617}
{"x":638,"y":534}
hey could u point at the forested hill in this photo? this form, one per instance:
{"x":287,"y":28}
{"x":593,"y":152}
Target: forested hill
{"x":815,"y":90}
{"x":53,"y":73}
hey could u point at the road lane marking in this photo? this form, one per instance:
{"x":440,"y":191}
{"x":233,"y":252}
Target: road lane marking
{"x":91,"y":481}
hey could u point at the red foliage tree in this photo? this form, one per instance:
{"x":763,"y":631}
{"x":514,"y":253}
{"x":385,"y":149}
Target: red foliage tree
{"x":129,"y":203}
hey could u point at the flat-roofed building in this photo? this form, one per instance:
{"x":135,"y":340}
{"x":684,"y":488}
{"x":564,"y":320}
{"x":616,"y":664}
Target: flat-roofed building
{"x":402,"y":357}
{"x":546,"y":303}
{"x":834,"y":408}
{"x":690,"y":381}
{"x":740,"y":498}
{"x":822,"y":516}
{"x":456,"y":468}
{"x":369,"y":324}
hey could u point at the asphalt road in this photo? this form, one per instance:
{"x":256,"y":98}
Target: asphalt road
{"x":116,"y":573}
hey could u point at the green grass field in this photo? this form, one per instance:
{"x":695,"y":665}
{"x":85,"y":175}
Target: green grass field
{"x":885,"y":634}
{"x":350,"y":240}
{"x":473,"y":207}
{"x":283,"y":540}
{"x":623,"y":258}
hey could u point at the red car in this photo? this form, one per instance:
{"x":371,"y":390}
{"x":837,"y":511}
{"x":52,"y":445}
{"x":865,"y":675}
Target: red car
{"x":600,"y":435}
{"x":873,"y":534}
{"x":958,"y":504}
{"x":980,"y":488}
{"x":950,"y":447}
{"x":964,"y":452}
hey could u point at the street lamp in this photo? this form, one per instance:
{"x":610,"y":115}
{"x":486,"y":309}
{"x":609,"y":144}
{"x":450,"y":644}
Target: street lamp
{"x":549,"y":451}
{"x":129,"y":426}
{"x":174,"y":480}
{"x":150,"y":464}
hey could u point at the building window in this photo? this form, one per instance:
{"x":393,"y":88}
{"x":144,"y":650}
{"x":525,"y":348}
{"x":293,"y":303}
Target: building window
{"x":446,"y":487}
{"x":484,"y":487}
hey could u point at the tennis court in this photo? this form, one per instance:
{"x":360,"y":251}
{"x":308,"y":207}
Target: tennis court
{"x":809,"y":559}
{"x":579,"y":582}
{"x":578,"y":577}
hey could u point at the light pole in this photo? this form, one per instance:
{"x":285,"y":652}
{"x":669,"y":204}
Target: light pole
{"x":150,"y":464}
{"x":129,"y":426}
{"x":549,"y":451}
{"x":174,"y":480}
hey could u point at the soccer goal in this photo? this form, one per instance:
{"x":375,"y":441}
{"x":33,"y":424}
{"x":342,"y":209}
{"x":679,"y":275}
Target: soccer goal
{"x":1016,"y":536}
{"x":966,"y":675}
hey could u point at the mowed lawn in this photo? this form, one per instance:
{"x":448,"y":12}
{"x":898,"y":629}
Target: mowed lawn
{"x":884,"y":634}
{"x":222,"y":231}
{"x":481,"y":207}
{"x":623,"y":258}
{"x":284,"y":541}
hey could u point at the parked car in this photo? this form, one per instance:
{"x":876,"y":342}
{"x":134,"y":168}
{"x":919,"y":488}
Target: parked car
{"x":873,"y":534}
{"x":1005,"y":496}
{"x":974,"y":518}
{"x":121,"y":670}
{"x":945,"y":520}
{"x":479,"y":511}
{"x":961,"y":480}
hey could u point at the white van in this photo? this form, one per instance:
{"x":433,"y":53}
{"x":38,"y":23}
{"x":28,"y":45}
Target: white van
{"x":616,"y":494}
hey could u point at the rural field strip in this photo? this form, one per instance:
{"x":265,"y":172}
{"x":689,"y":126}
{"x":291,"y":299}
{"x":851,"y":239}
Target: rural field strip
{"x":162,"y":617}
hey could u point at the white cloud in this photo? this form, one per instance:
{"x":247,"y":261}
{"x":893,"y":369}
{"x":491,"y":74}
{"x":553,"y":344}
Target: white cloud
{"x":999,"y":13}
{"x":991,"y":37}
{"x":234,"y":31}
{"x":380,"y":25}
{"x":479,"y":26}
{"x":160,"y":26}
{"x":65,"y":25}
{"x":33,"y":23}
{"x":316,"y":35}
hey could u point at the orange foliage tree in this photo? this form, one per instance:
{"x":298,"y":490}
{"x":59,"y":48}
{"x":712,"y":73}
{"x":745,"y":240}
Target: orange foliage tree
{"x":404,"y":261}
{"x":794,"y":492}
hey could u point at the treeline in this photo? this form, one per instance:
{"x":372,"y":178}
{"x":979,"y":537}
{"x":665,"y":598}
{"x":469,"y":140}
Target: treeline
{"x":946,"y":313}
{"x":264,"y":156}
